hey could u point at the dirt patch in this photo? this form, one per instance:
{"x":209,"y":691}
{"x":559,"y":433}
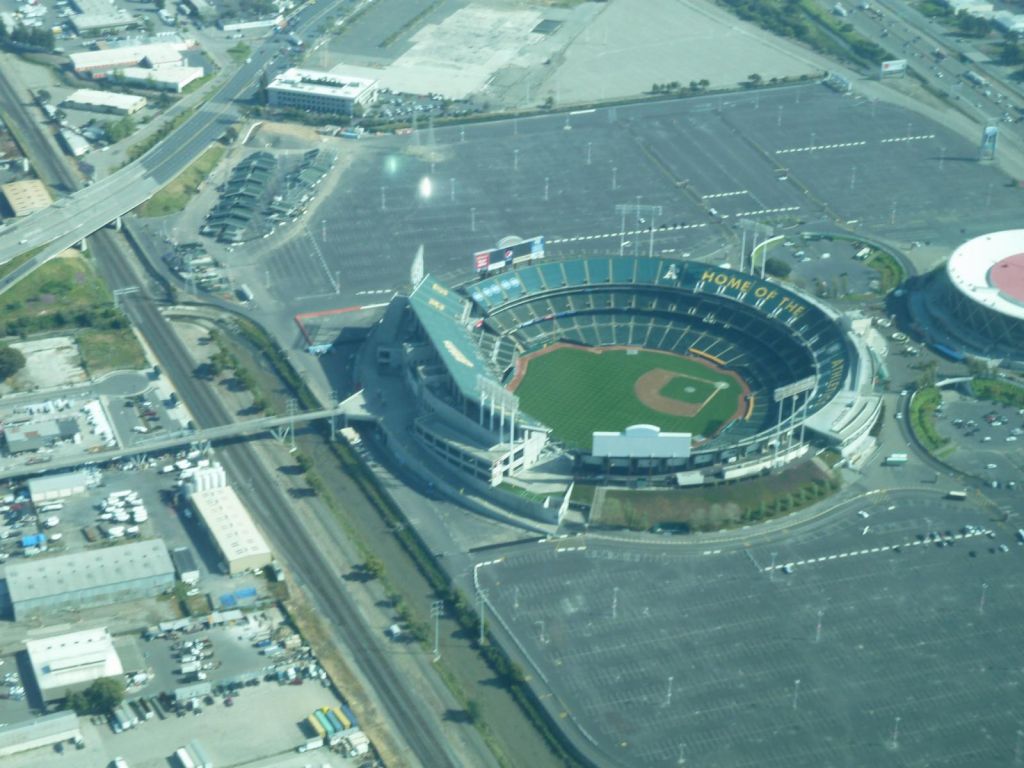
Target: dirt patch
{"x":648,"y":390}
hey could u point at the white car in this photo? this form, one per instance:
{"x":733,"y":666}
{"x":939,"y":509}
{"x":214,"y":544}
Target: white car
{"x":991,"y":466}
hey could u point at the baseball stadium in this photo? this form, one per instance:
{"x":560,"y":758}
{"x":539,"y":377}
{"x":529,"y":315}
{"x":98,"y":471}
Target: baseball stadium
{"x":612,"y":368}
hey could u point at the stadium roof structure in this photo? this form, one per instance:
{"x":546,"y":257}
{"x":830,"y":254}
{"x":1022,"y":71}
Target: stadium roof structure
{"x":443,"y":313}
{"x":989,"y":270}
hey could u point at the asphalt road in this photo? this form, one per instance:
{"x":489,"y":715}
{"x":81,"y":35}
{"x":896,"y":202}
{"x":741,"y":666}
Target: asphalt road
{"x":413,"y":722}
{"x":87,"y":210}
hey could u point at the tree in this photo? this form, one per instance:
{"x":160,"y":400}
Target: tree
{"x":11,"y":361}
{"x":374,"y":567}
{"x":118,"y":129}
{"x":927,"y":377}
{"x":473,"y":710}
{"x":777,"y":267}
{"x":100,"y":698}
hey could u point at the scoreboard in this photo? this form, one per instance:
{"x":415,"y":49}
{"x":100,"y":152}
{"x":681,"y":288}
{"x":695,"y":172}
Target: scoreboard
{"x":501,"y":258}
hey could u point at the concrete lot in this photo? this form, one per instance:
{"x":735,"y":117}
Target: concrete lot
{"x":263,"y":721}
{"x":703,"y":653}
{"x":791,"y":155}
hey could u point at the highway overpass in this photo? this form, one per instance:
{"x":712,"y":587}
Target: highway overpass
{"x":71,"y":219}
{"x":176,"y":440}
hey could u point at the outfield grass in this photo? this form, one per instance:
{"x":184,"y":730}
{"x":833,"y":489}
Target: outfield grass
{"x":575,"y":392}
{"x":175,"y":196}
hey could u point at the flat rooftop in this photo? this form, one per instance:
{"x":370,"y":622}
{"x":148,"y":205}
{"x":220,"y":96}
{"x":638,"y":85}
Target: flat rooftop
{"x":47,"y":576}
{"x":315,"y":82}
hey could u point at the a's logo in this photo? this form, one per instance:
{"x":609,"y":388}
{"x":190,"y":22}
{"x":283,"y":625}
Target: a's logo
{"x":457,"y":353}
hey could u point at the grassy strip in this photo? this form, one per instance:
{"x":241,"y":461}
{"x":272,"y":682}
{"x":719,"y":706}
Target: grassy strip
{"x":507,"y":671}
{"x":239,"y":51}
{"x":138,"y":150}
{"x":195,"y":85}
{"x":922,"y":418}
{"x":717,"y":507}
{"x":998,"y":392}
{"x":17,"y":261}
{"x":805,"y":21}
{"x":110,"y":350}
{"x":65,"y":295}
{"x":175,"y":196}
{"x":890,"y":271}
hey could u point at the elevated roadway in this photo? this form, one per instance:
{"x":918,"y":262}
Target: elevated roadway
{"x":416,"y":724}
{"x":69,"y":220}
{"x":175,"y":440}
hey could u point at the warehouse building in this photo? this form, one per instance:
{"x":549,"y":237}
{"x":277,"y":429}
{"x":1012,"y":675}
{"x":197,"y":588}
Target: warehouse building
{"x":70,"y":662}
{"x":172,"y":78}
{"x":153,"y":55}
{"x":60,"y":486}
{"x":320,"y":91}
{"x":42,"y":731}
{"x":105,"y":101}
{"x":96,"y":23}
{"x":25,"y":197}
{"x":52,"y":585}
{"x":231,"y":528}
{"x":31,"y":436}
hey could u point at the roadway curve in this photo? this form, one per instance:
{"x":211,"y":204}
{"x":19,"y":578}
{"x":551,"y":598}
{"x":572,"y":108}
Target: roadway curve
{"x":71,"y":219}
{"x":416,"y":725}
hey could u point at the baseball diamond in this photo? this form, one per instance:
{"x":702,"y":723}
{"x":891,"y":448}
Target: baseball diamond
{"x":579,"y":390}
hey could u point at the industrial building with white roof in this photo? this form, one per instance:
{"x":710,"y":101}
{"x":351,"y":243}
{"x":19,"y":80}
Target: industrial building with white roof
{"x":317,"y":91}
{"x":70,"y":662}
{"x":231,"y":528}
{"x":105,"y":101}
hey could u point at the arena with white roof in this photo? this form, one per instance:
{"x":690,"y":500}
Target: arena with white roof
{"x":986,"y":290}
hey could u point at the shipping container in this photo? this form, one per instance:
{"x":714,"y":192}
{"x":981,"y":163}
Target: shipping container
{"x":345,"y":722}
{"x":327,"y":725}
{"x":316,"y":726}
{"x":334,"y":719}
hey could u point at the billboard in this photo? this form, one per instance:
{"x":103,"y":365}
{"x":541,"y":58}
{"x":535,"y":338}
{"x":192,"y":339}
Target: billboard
{"x":894,"y":67}
{"x":517,"y":253}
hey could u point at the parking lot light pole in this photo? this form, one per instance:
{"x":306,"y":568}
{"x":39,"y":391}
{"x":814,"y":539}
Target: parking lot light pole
{"x":482,"y":595}
{"x":436,"y":609}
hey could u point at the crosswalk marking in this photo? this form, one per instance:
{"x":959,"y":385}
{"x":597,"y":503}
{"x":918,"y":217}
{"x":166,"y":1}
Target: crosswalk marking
{"x":876,"y":550}
{"x":719,"y":195}
{"x":627,"y":233}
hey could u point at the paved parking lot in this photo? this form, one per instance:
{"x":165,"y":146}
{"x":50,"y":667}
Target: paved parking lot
{"x":988,"y":438}
{"x":796,"y":154}
{"x":881,"y":640}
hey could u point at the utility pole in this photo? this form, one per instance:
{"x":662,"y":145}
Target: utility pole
{"x":436,"y":609}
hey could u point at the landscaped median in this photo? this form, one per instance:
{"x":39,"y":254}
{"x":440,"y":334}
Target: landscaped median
{"x":922,"y":418}
{"x":1003,"y":392}
{"x":175,"y":196}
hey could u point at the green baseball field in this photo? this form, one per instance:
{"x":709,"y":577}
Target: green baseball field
{"x":576,"y":391}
